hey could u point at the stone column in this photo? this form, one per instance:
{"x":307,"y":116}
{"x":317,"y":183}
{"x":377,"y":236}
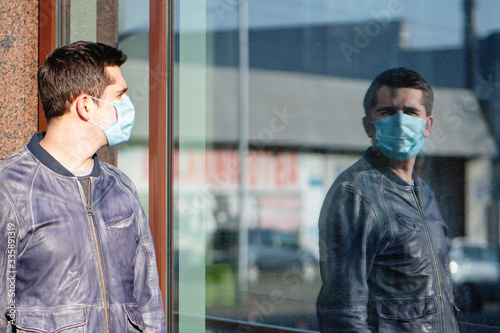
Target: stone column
{"x":18,"y":67}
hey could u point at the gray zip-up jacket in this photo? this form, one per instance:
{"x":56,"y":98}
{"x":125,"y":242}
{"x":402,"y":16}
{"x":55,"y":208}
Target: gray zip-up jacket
{"x":383,"y":255}
{"x":70,"y":262}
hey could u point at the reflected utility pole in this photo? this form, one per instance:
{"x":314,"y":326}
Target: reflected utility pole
{"x":243,"y":103}
{"x":470,"y":42}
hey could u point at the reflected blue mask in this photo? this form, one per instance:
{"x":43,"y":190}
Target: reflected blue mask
{"x":400,"y":136}
{"x":121,"y":129}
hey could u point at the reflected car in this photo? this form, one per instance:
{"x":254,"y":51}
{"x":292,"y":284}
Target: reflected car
{"x":268,"y":250}
{"x":475,"y":272}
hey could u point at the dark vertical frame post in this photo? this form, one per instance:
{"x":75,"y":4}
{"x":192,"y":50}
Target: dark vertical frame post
{"x":47,"y":41}
{"x":160,"y":146}
{"x":107,"y":22}
{"x":106,"y":33}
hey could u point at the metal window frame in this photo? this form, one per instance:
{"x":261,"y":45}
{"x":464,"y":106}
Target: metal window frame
{"x":161,"y":59}
{"x":47,"y":40}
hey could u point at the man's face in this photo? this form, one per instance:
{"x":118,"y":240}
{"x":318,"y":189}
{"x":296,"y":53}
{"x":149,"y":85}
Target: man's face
{"x":391,"y":101}
{"x":112,"y":93}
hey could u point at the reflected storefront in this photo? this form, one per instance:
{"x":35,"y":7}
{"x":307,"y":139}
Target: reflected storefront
{"x":247,"y":111}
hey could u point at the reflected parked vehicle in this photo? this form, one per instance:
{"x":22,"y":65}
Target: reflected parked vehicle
{"x":475,"y":272}
{"x":268,"y":250}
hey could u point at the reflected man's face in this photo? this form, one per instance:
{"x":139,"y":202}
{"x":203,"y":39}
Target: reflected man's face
{"x":391,"y":101}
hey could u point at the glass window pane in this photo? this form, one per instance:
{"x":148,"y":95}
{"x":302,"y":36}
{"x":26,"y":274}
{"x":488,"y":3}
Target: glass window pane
{"x":269,"y":113}
{"x":133,"y":156}
{"x":192,"y":193}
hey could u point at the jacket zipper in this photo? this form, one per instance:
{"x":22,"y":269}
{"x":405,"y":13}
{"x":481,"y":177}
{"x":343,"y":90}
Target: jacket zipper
{"x":416,"y":191}
{"x":99,"y":259}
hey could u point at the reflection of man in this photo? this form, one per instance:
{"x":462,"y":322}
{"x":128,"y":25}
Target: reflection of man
{"x":383,"y":246}
{"x":76,"y":251}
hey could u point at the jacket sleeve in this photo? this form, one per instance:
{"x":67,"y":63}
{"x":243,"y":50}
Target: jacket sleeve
{"x":348,"y":241}
{"x":8,"y":262}
{"x":146,"y":282}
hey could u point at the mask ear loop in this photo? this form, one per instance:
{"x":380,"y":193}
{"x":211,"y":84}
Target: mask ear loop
{"x":100,"y":100}
{"x":91,"y":122}
{"x":101,"y":127}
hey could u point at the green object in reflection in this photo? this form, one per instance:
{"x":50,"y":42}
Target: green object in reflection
{"x":220,"y":285}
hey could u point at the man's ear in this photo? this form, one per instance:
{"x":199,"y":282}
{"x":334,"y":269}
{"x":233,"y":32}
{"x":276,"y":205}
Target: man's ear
{"x":83,"y":106}
{"x":369,"y":127}
{"x":428,"y":125}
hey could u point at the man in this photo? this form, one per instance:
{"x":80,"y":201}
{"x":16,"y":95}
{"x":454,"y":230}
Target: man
{"x":383,"y":245}
{"x":76,"y":251}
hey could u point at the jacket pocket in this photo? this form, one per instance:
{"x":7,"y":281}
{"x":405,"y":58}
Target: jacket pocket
{"x":134,"y":317}
{"x":406,"y":309}
{"x":413,"y":225}
{"x":404,"y":231}
{"x":121,"y":222}
{"x":67,"y":320}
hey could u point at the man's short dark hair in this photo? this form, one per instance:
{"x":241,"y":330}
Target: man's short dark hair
{"x":399,"y":78}
{"x":75,"y":69}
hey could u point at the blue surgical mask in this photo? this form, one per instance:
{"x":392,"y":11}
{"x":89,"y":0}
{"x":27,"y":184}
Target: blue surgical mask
{"x":400,"y":136}
{"x":121,"y":129}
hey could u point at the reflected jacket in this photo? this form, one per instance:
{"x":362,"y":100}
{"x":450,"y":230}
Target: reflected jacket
{"x":69,"y":265}
{"x":383,"y":255}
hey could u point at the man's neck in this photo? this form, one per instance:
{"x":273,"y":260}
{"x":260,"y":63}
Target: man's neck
{"x":72,"y":151}
{"x":404,"y":168}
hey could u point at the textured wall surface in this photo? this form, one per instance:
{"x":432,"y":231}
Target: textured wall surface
{"x":18,"y":66}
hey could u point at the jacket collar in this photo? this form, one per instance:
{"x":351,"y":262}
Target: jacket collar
{"x":383,"y":168}
{"x":46,"y":159}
